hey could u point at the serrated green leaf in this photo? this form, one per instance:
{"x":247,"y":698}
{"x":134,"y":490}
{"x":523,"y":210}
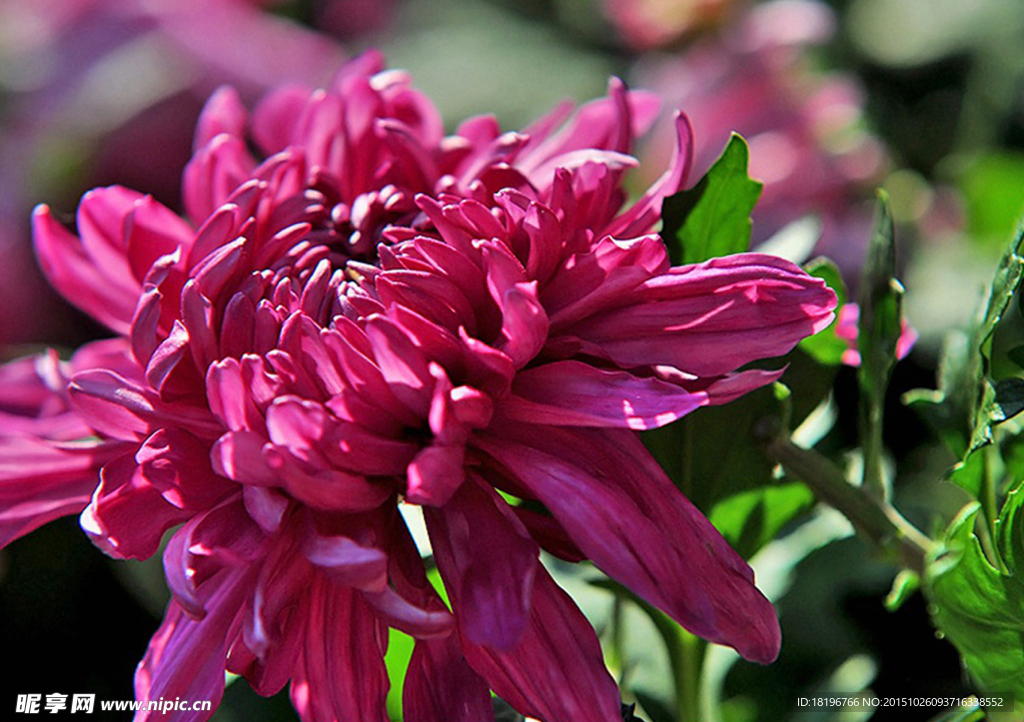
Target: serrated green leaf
{"x":979,"y":607}
{"x":825,"y":347}
{"x":713,"y":218}
{"x":1009,"y":277}
{"x":967,"y":405}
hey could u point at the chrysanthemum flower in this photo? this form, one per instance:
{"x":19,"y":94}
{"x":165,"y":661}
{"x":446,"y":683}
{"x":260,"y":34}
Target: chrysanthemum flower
{"x":377,"y":313}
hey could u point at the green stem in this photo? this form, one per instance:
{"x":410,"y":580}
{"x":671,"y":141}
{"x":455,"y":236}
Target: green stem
{"x":616,"y":641}
{"x":871,"y":439}
{"x":688,"y":672}
{"x":874,"y":518}
{"x":989,"y":508}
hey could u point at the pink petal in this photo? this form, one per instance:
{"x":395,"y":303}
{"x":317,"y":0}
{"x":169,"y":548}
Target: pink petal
{"x":115,"y":406}
{"x":41,"y":480}
{"x":284,"y":577}
{"x":123,"y":497}
{"x":105,"y":295}
{"x":597,"y":280}
{"x":441,"y":687}
{"x":556,"y":671}
{"x":646,"y":212}
{"x":435,"y":474}
{"x":224,"y":112}
{"x":401,"y":363}
{"x":215,"y":172}
{"x":488,"y":562}
{"x":276,"y":116}
{"x":101,"y":218}
{"x":152,"y":231}
{"x":625,"y":515}
{"x":346,"y":561}
{"x":524,"y":326}
{"x":203,"y":547}
{"x":177,"y":465}
{"x":711,"y":318}
{"x":186,"y":657}
{"x":571,"y":393}
{"x":340,"y":673}
{"x":401,"y":613}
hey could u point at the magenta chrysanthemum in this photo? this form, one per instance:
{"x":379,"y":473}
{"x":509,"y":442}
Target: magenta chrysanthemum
{"x":378,"y":313}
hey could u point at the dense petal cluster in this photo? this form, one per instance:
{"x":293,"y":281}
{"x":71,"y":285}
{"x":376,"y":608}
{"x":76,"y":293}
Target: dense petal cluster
{"x":377,"y":315}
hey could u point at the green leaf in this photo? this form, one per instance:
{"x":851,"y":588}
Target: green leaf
{"x":713,"y":218}
{"x":1008,"y":278}
{"x":880,"y":304}
{"x":968,"y":403}
{"x":825,"y":347}
{"x":881,"y":312}
{"x":751,"y":519}
{"x":977,"y":605}
{"x":712,"y":455}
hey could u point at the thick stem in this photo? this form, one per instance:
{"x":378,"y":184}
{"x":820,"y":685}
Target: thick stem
{"x":872,"y":517}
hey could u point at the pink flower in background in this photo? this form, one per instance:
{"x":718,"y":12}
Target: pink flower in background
{"x":112,"y":88}
{"x":650,"y":24}
{"x":802,"y":126}
{"x":371,"y":312}
{"x":846,"y":329}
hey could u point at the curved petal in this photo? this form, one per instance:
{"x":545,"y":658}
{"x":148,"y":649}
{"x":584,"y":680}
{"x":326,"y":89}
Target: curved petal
{"x":224,"y":112}
{"x":186,"y":657}
{"x":711,"y":318}
{"x":440,"y":686}
{"x":625,"y":515}
{"x":571,"y":393}
{"x":340,"y":674}
{"x":556,"y":671}
{"x":646,"y":212}
{"x":123,"y":497}
{"x":110,"y":299}
{"x":488,"y":562}
{"x":41,"y":480}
